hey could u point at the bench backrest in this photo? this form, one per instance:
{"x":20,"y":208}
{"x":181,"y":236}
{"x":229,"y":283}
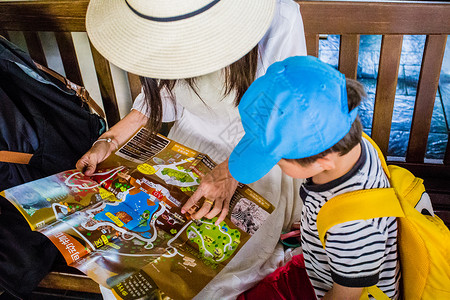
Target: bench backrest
{"x":347,"y":19}
{"x":392,"y":21}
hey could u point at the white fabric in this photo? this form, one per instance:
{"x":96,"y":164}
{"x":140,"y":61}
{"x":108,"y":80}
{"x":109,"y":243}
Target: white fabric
{"x":212,"y":125}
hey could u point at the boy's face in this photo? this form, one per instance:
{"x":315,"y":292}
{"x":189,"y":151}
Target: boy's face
{"x":295,"y":170}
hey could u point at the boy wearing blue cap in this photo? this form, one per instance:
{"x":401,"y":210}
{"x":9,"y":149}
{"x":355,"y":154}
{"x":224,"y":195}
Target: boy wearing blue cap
{"x":302,"y":115}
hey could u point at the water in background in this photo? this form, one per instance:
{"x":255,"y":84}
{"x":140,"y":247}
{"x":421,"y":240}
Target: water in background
{"x":409,"y":70}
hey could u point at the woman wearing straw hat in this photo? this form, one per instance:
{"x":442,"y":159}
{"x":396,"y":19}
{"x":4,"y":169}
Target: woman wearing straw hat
{"x":196,"y":58}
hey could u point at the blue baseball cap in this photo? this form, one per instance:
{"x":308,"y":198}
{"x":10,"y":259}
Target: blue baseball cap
{"x":297,"y":109}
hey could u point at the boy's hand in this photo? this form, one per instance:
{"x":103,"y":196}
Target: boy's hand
{"x":217,"y":187}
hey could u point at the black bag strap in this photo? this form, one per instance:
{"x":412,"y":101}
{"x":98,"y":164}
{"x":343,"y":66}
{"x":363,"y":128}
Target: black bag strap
{"x":79,"y":90}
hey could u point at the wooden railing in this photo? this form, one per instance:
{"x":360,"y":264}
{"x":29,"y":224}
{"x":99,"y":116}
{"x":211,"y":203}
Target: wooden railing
{"x":347,"y":19}
{"x":392,"y":21}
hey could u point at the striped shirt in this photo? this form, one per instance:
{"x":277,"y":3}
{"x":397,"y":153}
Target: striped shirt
{"x":358,"y":253}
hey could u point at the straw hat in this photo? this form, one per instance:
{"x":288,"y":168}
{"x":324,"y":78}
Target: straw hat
{"x":172,"y":39}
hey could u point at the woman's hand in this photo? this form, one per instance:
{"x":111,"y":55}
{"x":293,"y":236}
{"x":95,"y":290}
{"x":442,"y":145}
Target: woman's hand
{"x":87,"y":164}
{"x":217,"y":187}
{"x":119,"y":134}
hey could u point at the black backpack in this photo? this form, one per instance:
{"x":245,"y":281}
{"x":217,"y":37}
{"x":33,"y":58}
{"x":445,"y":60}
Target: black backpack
{"x":41,"y":116}
{"x":45,"y":127}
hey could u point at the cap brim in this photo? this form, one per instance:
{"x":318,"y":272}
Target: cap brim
{"x":248,"y":162}
{"x":180,"y":49}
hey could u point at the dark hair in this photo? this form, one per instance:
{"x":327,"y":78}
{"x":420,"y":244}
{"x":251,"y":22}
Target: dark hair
{"x":238,"y":76}
{"x":355,"y":93}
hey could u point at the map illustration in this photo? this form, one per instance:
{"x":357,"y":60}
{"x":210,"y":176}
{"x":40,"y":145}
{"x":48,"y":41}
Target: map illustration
{"x":215,"y":243}
{"x":123,"y":225}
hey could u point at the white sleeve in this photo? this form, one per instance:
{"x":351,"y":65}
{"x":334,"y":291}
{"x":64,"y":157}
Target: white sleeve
{"x":170,"y":114}
{"x":285,"y":37}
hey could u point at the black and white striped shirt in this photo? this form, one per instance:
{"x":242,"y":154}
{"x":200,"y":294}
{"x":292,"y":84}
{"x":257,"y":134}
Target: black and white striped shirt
{"x":358,"y":253}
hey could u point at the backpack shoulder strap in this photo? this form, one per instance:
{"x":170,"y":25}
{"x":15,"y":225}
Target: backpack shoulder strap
{"x":357,"y":205}
{"x":380,"y":154}
{"x":361,"y":204}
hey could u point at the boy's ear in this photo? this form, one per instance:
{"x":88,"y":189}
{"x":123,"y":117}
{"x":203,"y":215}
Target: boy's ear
{"x":327,"y":162}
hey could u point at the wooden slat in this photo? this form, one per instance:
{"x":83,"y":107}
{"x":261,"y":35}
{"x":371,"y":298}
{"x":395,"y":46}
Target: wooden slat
{"x":34,"y":46}
{"x":69,"y":57}
{"x":348,"y":17}
{"x":391,"y":48}
{"x":312,"y":44}
{"x":447,"y":152}
{"x":427,"y":170}
{"x":44,"y":15}
{"x":426,"y":95}
{"x":444,"y":214}
{"x":348,"y":55}
{"x":318,"y":16}
{"x":106,"y":85}
{"x":135,"y":85}
{"x":72,"y":282}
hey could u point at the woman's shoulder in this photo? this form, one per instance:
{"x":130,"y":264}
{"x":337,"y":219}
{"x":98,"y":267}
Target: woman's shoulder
{"x":287,"y":9}
{"x":286,"y":18}
{"x":285,"y":36}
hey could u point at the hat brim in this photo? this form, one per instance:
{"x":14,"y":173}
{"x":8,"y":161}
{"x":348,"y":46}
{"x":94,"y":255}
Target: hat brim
{"x":186,"y":48}
{"x":249,"y":162}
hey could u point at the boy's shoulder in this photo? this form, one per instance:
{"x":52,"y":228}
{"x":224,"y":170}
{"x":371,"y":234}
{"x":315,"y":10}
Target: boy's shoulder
{"x":373,"y":163}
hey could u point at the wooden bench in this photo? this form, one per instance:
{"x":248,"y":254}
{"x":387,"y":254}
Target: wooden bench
{"x":347,"y":19}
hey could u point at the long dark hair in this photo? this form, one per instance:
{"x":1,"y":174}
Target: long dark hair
{"x":238,"y":77}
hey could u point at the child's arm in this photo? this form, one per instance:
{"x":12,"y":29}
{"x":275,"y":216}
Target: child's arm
{"x":342,"y":292}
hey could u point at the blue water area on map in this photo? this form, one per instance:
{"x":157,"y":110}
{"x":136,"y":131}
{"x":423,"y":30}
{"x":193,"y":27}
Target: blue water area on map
{"x":139,"y":213}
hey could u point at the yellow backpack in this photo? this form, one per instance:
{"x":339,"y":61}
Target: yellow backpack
{"x":424,"y":241}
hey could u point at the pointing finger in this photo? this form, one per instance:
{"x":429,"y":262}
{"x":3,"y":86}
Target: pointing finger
{"x":192,"y":200}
